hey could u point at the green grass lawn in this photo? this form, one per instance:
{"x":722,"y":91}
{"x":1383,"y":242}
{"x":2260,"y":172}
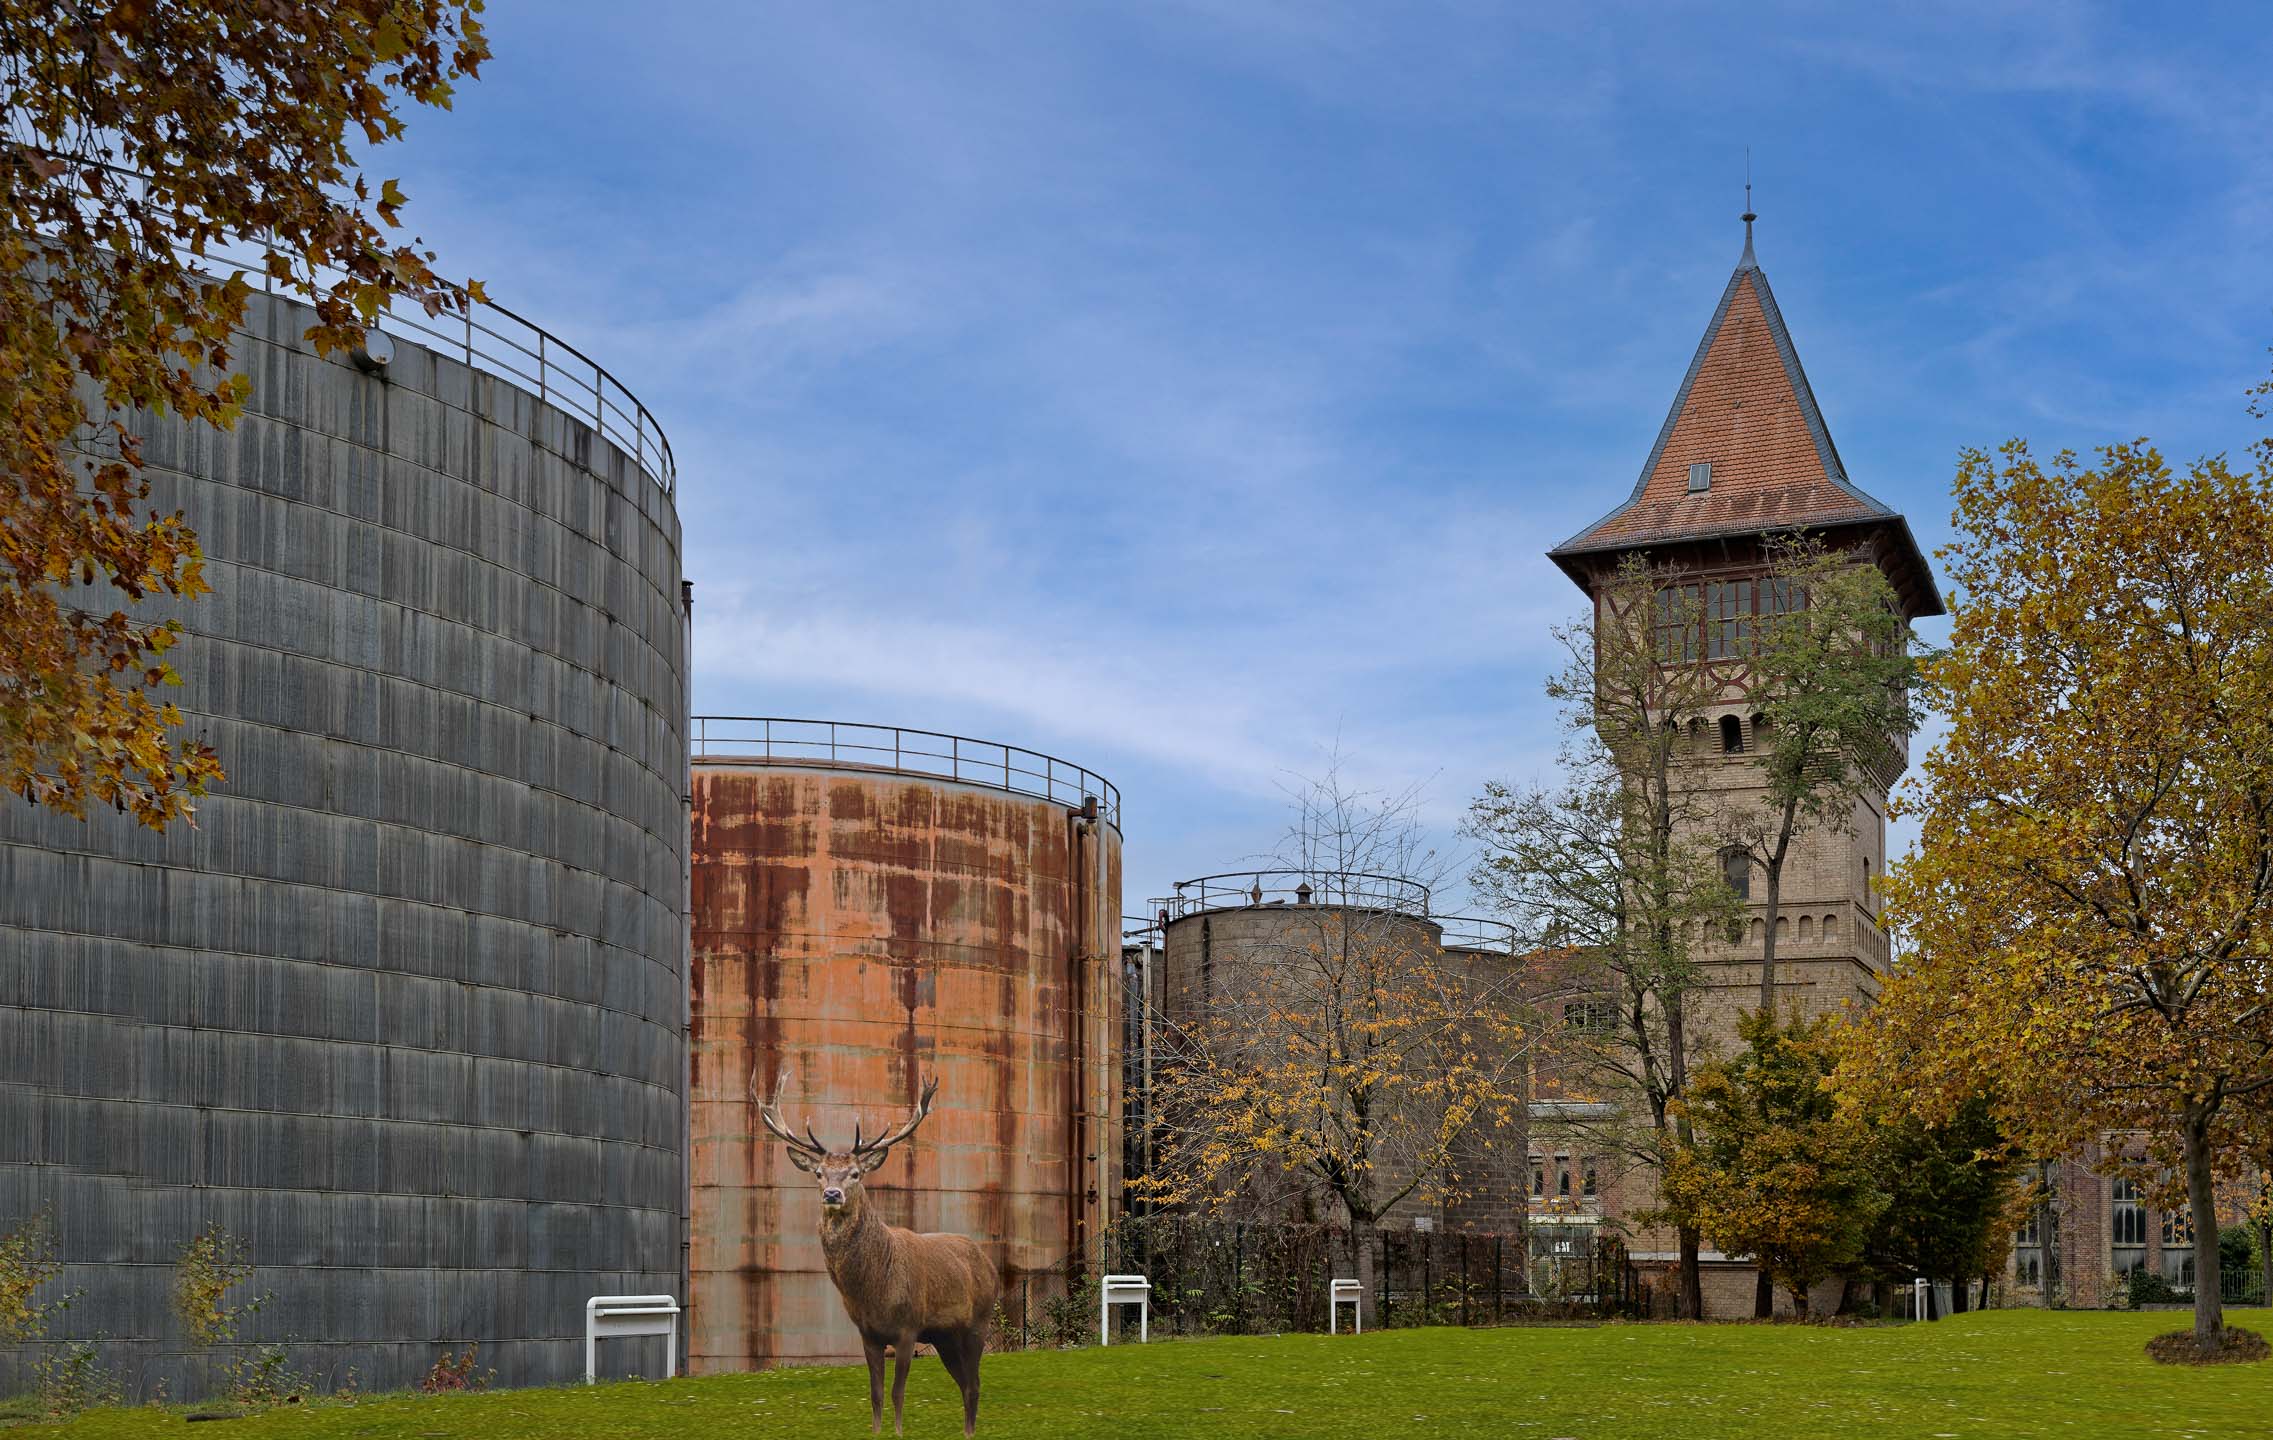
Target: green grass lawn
{"x":2009,"y":1372}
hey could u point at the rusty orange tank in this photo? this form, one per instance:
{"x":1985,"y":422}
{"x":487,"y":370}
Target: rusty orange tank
{"x":871,"y":906}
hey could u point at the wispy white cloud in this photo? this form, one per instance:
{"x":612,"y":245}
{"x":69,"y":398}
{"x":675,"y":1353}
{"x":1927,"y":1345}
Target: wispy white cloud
{"x":1191,"y":390}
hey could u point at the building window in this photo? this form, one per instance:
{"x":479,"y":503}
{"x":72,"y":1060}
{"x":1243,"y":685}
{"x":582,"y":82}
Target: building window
{"x":1589,"y":1015}
{"x":1700,"y":477}
{"x":1563,"y":1180}
{"x":1538,"y":1178}
{"x":1720,"y":619}
{"x":2178,"y":1249}
{"x":1586,"y":1185}
{"x":1736,"y":868}
{"x":1677,"y":611}
{"x":1728,"y":619}
{"x":1732,"y":735}
{"x":2127,"y":1226}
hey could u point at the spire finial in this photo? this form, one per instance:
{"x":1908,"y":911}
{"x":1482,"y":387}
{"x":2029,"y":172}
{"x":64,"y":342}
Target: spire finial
{"x":1748,"y":262}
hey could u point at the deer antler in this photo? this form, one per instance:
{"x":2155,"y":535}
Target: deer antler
{"x":769,"y":1112}
{"x":875,"y":1149}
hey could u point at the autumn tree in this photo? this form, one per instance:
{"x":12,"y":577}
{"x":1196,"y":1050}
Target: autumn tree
{"x":142,"y":140}
{"x":1775,"y":1170}
{"x":1830,"y":684}
{"x":1612,"y":872}
{"x":2090,"y":903}
{"x":1343,"y":1062}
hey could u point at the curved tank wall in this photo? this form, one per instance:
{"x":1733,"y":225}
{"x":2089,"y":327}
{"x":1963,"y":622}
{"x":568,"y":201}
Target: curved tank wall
{"x":1218,"y":941}
{"x":863,"y":929}
{"x":404,"y":1010}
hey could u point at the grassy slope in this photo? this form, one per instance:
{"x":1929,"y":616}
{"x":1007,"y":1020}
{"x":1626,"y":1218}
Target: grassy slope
{"x":1998,"y":1374}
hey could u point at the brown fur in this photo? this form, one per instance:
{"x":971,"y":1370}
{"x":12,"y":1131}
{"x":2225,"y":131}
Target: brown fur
{"x":901,"y":1289}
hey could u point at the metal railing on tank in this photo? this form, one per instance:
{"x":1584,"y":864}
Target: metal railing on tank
{"x":486,"y":336}
{"x":1477,"y":932}
{"x":901,"y":751}
{"x":1349,"y":890}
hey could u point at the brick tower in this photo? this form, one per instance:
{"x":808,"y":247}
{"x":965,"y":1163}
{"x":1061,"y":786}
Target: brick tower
{"x":1744,"y":455}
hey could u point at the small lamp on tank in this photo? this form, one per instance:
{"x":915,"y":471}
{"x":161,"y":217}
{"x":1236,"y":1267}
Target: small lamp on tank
{"x":375,"y":353}
{"x":1302,"y":893}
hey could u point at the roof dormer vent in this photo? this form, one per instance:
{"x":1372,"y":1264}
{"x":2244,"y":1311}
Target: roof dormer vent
{"x":1700,"y":477}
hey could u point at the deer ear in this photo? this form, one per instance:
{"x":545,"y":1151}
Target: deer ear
{"x":803,"y":1162}
{"x":870,"y":1164}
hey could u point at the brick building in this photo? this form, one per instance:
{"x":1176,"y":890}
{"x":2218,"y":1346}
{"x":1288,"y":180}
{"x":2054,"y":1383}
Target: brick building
{"x":1742,"y":456}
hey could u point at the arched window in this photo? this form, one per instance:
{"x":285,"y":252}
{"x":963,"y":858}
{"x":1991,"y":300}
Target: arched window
{"x":1736,"y":868}
{"x":1807,"y":927}
{"x":1732,"y":735}
{"x":1830,"y":926}
{"x":1762,"y":727}
{"x":1696,"y":732}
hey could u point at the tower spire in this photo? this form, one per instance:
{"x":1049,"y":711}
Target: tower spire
{"x":1747,"y":262}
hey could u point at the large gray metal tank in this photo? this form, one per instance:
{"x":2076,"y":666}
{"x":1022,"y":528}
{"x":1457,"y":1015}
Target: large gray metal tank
{"x":405,"y":1010}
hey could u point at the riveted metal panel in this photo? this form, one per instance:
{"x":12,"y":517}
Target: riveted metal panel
{"x":863,"y":931}
{"x":405,"y":1010}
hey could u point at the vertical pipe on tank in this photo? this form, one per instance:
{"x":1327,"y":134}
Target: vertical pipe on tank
{"x":1076,"y":1021}
{"x":685,"y":1340}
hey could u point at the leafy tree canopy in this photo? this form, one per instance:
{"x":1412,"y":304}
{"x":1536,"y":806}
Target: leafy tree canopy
{"x":143,"y":137}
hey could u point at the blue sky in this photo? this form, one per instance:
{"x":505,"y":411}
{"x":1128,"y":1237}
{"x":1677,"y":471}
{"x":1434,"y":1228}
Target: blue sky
{"x":1191,"y":389}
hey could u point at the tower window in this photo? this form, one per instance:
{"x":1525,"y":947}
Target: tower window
{"x":1700,"y":477}
{"x":1736,"y":868}
{"x":1732,"y":735}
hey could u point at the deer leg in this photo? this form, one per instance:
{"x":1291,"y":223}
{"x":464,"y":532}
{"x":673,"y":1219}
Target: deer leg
{"x":874,"y":1349}
{"x":955,"y":1354}
{"x":974,"y":1346}
{"x":903,"y":1351}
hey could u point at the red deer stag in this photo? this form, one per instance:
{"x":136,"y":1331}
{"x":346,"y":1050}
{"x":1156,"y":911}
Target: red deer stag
{"x":899,"y":1287}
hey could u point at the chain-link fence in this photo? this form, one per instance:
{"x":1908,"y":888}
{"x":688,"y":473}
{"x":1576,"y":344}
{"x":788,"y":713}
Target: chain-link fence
{"x":1221,"y":1277}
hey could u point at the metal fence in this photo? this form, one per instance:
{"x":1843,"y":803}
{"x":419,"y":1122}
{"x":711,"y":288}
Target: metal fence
{"x":485,"y":336}
{"x":1218,"y":1277}
{"x":903,"y":751}
{"x":2242,"y":1286}
{"x":1347,"y":889}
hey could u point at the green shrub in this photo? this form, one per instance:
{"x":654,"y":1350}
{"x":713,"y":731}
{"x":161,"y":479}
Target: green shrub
{"x":2148,"y":1287}
{"x":209,"y":1267}
{"x":72,"y":1378}
{"x":27,"y":1262}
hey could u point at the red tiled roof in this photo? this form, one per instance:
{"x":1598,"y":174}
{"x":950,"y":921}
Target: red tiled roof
{"x":1746,"y":409}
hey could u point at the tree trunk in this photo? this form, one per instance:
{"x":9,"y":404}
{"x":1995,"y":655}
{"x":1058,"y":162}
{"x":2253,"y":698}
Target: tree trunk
{"x":1772,"y":911}
{"x":1958,"y":1288}
{"x":1362,"y":1237}
{"x":2202,"y":1204}
{"x":2047,"y":1252}
{"x":2265,"y":1259}
{"x":1764,"y":1296}
{"x":1692,"y":1281}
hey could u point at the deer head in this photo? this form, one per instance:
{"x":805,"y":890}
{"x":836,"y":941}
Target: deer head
{"x":839,"y":1171}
